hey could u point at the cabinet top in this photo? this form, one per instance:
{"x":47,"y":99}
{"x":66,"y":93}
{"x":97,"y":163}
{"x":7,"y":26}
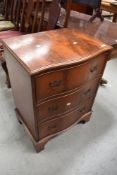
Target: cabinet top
{"x":46,"y":50}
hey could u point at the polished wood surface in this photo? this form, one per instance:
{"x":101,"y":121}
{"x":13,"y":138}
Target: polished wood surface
{"x":58,"y":105}
{"x":75,"y":47}
{"x":54,"y":90}
{"x":56,"y":125}
{"x":65,"y":79}
{"x":105,"y":31}
{"x":29,"y":17}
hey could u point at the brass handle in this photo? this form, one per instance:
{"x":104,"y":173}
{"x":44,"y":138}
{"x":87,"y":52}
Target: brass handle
{"x":82,"y":110}
{"x":87,"y":92}
{"x":94,"y":69}
{"x":55,"y":83}
{"x":53,"y":109}
{"x":52,"y":126}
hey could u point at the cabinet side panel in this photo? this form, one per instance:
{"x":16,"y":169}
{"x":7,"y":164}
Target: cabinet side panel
{"x":22,"y":91}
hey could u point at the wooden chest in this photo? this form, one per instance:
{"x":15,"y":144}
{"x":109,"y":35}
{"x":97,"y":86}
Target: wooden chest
{"x":54,"y":76}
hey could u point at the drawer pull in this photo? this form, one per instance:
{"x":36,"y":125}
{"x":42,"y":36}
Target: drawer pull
{"x":52,"y":126}
{"x":94,"y":69}
{"x":82,"y":110}
{"x":53,"y":109}
{"x":87,"y":92}
{"x":55,"y":83}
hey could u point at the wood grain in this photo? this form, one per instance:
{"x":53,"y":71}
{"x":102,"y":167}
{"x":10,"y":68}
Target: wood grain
{"x":49,"y":102}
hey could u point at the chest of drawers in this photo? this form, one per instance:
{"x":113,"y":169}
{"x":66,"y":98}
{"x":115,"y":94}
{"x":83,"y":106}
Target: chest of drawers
{"x":54,"y":76}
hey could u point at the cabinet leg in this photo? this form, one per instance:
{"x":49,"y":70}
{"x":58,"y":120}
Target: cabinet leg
{"x":20,"y":122}
{"x":82,"y":122}
{"x":85,"y":118}
{"x":39,"y":146}
{"x":103,"y":82}
{"x":18,"y":118}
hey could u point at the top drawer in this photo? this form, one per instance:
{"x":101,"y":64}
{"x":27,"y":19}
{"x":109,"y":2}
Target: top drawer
{"x":59,"y":81}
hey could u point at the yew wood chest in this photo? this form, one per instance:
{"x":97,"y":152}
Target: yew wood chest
{"x":55,"y":77}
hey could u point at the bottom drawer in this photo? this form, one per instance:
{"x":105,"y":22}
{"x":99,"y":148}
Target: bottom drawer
{"x":61,"y":123}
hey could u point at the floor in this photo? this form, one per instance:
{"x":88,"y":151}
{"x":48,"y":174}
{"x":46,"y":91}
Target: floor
{"x":89,"y":149}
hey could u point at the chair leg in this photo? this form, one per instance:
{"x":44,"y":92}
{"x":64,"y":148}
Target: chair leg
{"x":115,"y":18}
{"x":4,"y":66}
{"x":98,"y":13}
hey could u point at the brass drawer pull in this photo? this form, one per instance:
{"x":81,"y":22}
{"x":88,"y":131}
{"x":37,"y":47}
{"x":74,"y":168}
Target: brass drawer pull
{"x":87,"y":92}
{"x":94,"y":69}
{"x":55,"y":83}
{"x":52,"y":126}
{"x":53,"y":109}
{"x":82,"y":110}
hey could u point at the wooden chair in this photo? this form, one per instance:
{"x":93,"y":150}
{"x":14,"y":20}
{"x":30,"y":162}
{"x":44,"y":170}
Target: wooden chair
{"x":32,"y":16}
{"x":15,"y":17}
{"x":18,"y":17}
{"x":1,"y":10}
{"x":8,"y":8}
{"x":32,"y":19}
{"x":9,"y":12}
{"x":46,"y":15}
{"x":95,"y":4}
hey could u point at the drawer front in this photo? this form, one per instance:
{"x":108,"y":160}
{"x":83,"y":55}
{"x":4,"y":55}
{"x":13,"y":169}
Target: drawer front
{"x":90,"y":89}
{"x":97,"y":66}
{"x":57,"y":106}
{"x":80,"y":74}
{"x":60,"y":81}
{"x":57,"y":125}
{"x":49,"y":84}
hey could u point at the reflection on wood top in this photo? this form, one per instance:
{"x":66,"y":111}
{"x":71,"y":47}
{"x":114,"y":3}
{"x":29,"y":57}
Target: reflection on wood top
{"x":105,"y":31}
{"x":40,"y":51}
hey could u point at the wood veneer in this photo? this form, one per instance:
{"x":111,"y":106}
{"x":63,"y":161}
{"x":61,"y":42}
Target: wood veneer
{"x":54,"y":90}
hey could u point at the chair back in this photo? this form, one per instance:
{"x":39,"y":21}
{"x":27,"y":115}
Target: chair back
{"x":31,"y":16}
{"x":54,"y":13}
{"x":46,"y":15}
{"x":11,"y":11}
{"x":19,"y":12}
{"x":26,"y":18}
{"x":5,"y":9}
{"x":8,"y":9}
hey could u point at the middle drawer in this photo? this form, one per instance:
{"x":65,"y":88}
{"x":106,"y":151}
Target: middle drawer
{"x":68,"y":102}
